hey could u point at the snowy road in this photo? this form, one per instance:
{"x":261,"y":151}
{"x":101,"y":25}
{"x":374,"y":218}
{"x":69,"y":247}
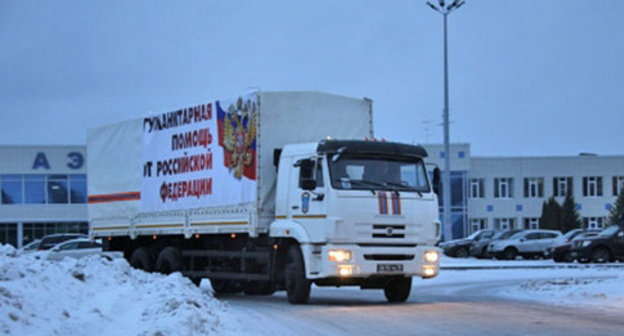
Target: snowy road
{"x":457,"y":303}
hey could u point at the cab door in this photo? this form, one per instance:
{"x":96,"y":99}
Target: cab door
{"x":308,"y":206}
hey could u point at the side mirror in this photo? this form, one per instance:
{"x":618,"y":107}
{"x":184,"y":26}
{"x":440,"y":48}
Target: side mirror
{"x":436,"y":180}
{"x":307,"y":180}
{"x":522,"y":240}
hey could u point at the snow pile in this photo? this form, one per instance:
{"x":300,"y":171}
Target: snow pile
{"x":603,"y":292}
{"x":96,"y":296}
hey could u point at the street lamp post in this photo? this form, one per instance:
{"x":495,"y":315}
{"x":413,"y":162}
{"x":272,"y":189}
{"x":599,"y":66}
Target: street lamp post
{"x":445,"y":10}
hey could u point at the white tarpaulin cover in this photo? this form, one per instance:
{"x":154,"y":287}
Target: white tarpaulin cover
{"x":212,"y":156}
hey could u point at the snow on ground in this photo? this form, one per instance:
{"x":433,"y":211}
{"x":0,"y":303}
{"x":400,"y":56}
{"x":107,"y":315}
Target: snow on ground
{"x":95,"y":296}
{"x":599,"y":287}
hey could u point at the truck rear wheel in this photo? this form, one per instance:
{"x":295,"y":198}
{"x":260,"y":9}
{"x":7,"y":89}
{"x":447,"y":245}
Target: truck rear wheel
{"x":398,"y":289}
{"x":142,"y":260}
{"x":297,"y":286}
{"x":169,"y":261}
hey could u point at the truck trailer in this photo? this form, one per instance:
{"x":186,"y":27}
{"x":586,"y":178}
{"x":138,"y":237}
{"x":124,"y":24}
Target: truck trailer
{"x":268,"y":191}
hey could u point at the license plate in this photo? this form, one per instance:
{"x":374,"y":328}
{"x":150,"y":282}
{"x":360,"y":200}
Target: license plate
{"x":389,"y":268}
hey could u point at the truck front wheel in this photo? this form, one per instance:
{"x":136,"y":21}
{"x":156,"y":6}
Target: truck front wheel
{"x":398,"y":289}
{"x":142,"y":260}
{"x":297,"y":286}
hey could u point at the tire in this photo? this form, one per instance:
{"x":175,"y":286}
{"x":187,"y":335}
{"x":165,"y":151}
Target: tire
{"x":510,"y":253}
{"x":559,"y":259}
{"x":224,"y":286}
{"x":297,"y":286}
{"x":398,"y":289}
{"x":169,"y":261}
{"x":568,"y":257}
{"x":461,"y":252}
{"x":142,"y":260}
{"x":260,"y":288}
{"x":600,"y":255}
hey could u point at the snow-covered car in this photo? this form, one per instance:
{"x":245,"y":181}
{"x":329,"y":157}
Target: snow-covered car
{"x":78,"y":248}
{"x":30,"y":247}
{"x":528,"y":244}
{"x":460,"y":247}
{"x":478,"y":248}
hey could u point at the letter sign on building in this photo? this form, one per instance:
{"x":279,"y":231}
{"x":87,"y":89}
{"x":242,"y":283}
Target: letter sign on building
{"x":77,"y":160}
{"x":41,"y":161}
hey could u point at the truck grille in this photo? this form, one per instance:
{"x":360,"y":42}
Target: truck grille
{"x":388,"y":231}
{"x":389,"y":257}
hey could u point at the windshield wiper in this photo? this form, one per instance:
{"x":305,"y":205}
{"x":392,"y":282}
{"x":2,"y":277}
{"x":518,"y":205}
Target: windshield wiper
{"x":403,"y":185}
{"x":370,"y":184}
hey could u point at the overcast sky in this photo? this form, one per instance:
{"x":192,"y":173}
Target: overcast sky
{"x":528,"y":77}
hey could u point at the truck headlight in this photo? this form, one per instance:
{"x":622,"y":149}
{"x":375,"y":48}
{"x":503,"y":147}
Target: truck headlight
{"x":432,"y":256}
{"x":339,"y":255}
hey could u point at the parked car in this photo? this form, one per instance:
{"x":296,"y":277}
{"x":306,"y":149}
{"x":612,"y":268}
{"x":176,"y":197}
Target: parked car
{"x":78,"y":248}
{"x":607,"y":246}
{"x":460,"y":247}
{"x":561,"y":252}
{"x":30,"y":247}
{"x":528,"y":244}
{"x":49,"y":241}
{"x":478,"y":248}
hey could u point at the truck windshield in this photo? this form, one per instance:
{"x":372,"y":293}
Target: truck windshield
{"x":367,"y":172}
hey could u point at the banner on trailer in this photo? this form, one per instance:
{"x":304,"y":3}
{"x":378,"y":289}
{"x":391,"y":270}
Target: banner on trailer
{"x":201,"y":156}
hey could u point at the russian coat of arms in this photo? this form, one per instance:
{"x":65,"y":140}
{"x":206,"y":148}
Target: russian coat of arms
{"x":237,"y":136}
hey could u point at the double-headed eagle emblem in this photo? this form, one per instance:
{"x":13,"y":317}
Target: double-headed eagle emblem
{"x":239,"y":134}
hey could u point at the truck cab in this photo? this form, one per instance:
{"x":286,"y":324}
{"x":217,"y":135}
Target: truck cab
{"x":363,"y":213}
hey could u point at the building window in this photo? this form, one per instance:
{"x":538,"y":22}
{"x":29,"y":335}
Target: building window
{"x":534,"y":187}
{"x":531,"y":223}
{"x":476,"y":188}
{"x":592,"y":186}
{"x":57,"y":189}
{"x":43,"y":189}
{"x":503,"y":187}
{"x":477,"y":224}
{"x":618,"y":185}
{"x":593,"y":222}
{"x":34,"y":189}
{"x":561,"y":186}
{"x":504,"y":223}
{"x":78,"y":187}
{"x":11,"y":186}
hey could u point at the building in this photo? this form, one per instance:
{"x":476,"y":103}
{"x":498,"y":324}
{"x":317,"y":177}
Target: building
{"x":508,"y":192}
{"x":44,"y":191}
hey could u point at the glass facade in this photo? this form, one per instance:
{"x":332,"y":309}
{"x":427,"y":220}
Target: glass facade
{"x":8,"y":233}
{"x":43,"y":189}
{"x":459,"y":204}
{"x":32,"y":231}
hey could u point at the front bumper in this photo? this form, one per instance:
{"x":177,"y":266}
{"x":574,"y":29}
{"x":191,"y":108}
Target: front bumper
{"x":582,"y":253}
{"x":367,"y":261}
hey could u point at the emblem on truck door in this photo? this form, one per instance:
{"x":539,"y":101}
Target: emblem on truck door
{"x":305,"y":202}
{"x":237,"y":136}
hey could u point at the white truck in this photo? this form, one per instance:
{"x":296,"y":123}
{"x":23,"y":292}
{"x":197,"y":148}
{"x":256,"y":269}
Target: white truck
{"x":269,"y":191}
